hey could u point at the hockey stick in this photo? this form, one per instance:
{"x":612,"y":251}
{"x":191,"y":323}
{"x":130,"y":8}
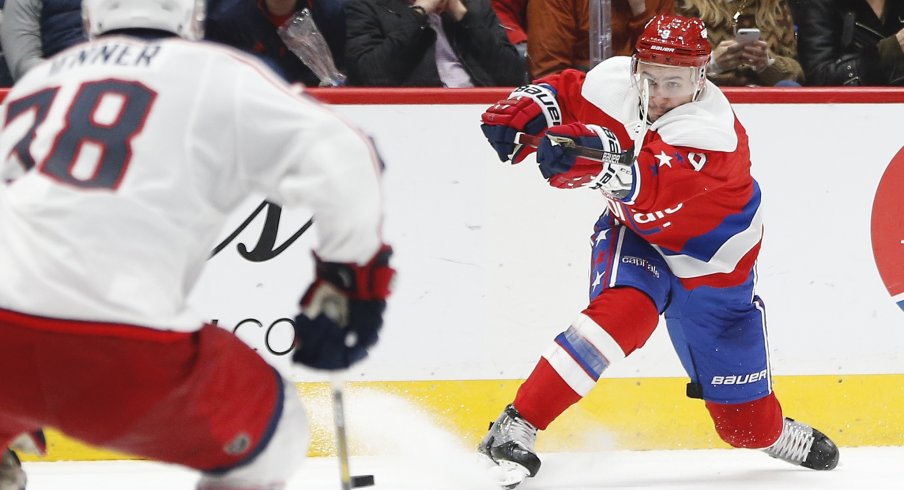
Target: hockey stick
{"x":573,"y":148}
{"x":348,"y":481}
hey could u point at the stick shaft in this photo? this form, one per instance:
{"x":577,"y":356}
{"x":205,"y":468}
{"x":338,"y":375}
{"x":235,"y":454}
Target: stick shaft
{"x":341,"y":439}
{"x":581,"y":151}
{"x":572,"y":149}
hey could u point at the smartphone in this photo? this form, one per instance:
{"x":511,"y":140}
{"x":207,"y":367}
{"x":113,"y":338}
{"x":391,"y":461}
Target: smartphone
{"x":747,"y":35}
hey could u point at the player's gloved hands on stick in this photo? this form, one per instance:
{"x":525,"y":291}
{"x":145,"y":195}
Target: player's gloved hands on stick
{"x":564,"y":169}
{"x":529,"y":109}
{"x":342,"y":312}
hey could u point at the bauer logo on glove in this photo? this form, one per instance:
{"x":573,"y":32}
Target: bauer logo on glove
{"x":529,"y":109}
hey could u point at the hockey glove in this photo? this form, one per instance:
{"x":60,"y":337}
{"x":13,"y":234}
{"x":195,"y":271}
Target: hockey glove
{"x":564,"y":169}
{"x":342,"y":312}
{"x":529,"y":109}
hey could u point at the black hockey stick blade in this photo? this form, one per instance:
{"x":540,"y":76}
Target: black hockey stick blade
{"x":362,"y":481}
{"x":572,"y":148}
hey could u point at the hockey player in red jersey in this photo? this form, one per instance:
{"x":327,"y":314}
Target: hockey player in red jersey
{"x":121,"y":159}
{"x":679,"y":238}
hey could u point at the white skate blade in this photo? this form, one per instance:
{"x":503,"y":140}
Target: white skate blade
{"x":506,"y":474}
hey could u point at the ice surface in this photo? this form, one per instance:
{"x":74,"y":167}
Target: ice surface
{"x":862,"y":468}
{"x":405,"y":449}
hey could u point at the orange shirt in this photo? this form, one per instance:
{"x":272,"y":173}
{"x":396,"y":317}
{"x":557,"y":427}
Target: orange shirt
{"x":558,"y":32}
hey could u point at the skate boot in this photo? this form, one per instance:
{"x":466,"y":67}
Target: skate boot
{"x":510,"y":445}
{"x":12,"y":477}
{"x":804,"y":446}
{"x":30,"y":443}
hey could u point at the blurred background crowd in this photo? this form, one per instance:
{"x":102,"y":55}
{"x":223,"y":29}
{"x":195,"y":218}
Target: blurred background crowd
{"x":487,"y":43}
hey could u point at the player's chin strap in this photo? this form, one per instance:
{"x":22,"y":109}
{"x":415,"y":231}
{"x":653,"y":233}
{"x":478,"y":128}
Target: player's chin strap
{"x":701,"y":83}
{"x":644,"y":112}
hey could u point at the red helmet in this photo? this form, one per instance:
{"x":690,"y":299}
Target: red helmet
{"x":674,"y":40}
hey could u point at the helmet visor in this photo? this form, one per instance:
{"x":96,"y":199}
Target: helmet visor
{"x":666,"y":81}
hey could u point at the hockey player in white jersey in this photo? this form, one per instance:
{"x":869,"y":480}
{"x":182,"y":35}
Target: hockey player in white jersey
{"x":121,"y":159}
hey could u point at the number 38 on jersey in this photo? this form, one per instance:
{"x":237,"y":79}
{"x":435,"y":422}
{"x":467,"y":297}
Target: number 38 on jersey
{"x":90,"y":143}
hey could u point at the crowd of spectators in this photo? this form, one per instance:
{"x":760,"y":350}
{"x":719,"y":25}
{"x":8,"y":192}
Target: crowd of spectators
{"x":769,"y":60}
{"x":429,"y":43}
{"x":485,"y":43}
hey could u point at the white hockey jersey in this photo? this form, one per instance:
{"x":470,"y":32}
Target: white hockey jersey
{"x":122,"y":158}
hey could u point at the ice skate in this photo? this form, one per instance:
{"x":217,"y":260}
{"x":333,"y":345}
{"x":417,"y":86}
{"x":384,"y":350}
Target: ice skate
{"x":12,"y":477}
{"x":510,"y":445}
{"x":804,"y":446}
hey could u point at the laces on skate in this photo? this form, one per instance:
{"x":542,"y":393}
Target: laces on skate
{"x":804,"y":446}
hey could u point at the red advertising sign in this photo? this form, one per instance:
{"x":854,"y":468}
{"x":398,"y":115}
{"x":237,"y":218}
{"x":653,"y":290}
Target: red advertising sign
{"x":888,"y":228}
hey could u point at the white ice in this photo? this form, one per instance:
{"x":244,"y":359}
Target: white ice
{"x":863,"y":468}
{"x":408,"y":450}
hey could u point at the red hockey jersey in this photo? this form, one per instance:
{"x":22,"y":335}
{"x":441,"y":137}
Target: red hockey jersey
{"x":693,"y":197}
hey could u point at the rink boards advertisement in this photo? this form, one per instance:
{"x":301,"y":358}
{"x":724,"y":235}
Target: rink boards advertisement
{"x":493,"y":264}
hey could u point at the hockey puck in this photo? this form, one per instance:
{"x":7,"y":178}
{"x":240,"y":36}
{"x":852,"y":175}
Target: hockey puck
{"x":362,"y":481}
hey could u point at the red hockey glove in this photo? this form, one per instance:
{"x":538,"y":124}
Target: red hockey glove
{"x":342,"y":312}
{"x":529,"y":109}
{"x":563,"y":169}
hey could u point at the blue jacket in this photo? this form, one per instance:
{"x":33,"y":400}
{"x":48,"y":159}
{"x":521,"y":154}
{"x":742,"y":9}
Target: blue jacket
{"x":61,"y":25}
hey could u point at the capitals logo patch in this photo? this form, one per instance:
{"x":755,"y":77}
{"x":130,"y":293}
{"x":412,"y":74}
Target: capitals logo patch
{"x":887,"y":227}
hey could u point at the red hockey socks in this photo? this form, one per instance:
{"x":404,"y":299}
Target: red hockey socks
{"x":755,"y":425}
{"x":544,"y":396}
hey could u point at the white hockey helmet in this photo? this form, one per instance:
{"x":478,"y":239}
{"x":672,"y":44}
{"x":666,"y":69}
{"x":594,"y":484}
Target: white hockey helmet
{"x":182,"y":17}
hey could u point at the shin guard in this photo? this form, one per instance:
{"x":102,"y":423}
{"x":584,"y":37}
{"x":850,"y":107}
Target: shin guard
{"x":616,"y":323}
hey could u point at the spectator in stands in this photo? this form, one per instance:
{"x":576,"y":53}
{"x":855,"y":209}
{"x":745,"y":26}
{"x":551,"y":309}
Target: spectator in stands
{"x":6,"y":78}
{"x":513,"y":17}
{"x":429,"y":43}
{"x":770,"y":60}
{"x":852,"y":42}
{"x":251,"y":25}
{"x":558,"y":31}
{"x":34,"y":30}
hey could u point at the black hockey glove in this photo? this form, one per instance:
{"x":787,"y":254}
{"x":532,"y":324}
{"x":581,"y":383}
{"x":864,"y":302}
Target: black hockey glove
{"x":342,"y":312}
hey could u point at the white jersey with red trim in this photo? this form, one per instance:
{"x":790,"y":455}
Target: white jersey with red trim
{"x":122,"y":159}
{"x":693,"y":197}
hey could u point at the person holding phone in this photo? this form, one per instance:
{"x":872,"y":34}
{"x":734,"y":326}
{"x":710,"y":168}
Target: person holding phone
{"x":753,"y":41}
